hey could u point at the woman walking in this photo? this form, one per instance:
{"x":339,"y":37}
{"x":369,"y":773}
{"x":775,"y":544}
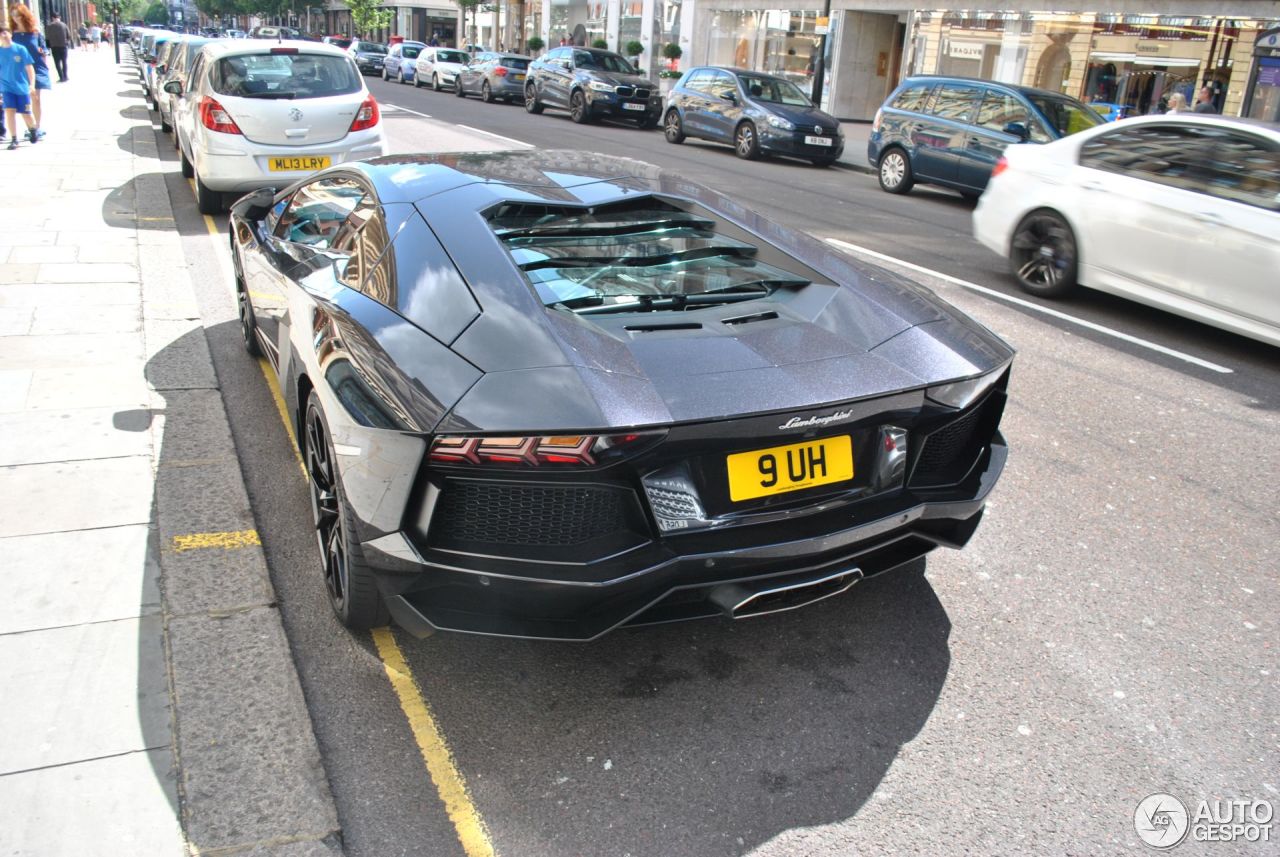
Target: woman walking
{"x":25,"y":32}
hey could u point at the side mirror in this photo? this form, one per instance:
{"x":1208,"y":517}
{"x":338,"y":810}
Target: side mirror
{"x":173,"y":87}
{"x":1019,"y":130}
{"x":731,"y":97}
{"x":255,"y":205}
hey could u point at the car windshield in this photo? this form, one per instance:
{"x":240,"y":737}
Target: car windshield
{"x":638,"y":256}
{"x":1065,"y":114}
{"x":602,"y":62}
{"x":452,"y":56}
{"x":773,"y":91}
{"x":371,"y":48}
{"x":292,"y":75}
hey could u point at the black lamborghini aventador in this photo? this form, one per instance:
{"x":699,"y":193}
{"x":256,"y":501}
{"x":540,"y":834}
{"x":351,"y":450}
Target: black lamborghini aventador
{"x":546,"y":394}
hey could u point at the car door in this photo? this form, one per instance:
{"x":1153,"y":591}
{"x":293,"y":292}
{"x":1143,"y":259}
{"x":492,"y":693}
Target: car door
{"x":724,"y":107}
{"x":392,"y":63}
{"x":988,"y":137}
{"x":1233,"y":253}
{"x":694,"y":100}
{"x":183,"y":105}
{"x":943,"y":131}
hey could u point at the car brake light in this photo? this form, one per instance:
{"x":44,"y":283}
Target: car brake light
{"x":214,"y":117}
{"x":284,"y":50}
{"x":875,"y":123}
{"x":500,"y":71}
{"x":366,"y":116}
{"x":1001,"y":166}
{"x":538,"y":451}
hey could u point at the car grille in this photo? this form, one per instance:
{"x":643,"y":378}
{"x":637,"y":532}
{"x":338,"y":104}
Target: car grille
{"x":471,"y":513}
{"x":632,"y":92}
{"x":951,"y":450}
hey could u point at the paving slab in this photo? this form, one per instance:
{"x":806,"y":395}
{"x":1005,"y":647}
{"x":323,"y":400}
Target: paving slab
{"x":37,"y":437}
{"x":87,"y":387}
{"x":178,"y":355}
{"x":19,"y":273}
{"x":70,"y":294}
{"x":76,"y":495}
{"x":16,"y":321}
{"x":86,"y":319}
{"x":42,"y":253}
{"x":78,"y":272}
{"x":124,"y":805}
{"x":83,"y":692}
{"x":72,"y":351}
{"x":14,"y":385}
{"x":59,"y":579}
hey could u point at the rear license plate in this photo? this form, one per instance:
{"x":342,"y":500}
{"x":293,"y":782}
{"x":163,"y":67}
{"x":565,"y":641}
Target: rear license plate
{"x":517,"y":77}
{"x":297,"y":163}
{"x":634,"y":106}
{"x":779,"y":469}
{"x":818,"y":141}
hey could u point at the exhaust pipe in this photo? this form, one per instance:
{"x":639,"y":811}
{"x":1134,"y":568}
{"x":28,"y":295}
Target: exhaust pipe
{"x":740,"y":601}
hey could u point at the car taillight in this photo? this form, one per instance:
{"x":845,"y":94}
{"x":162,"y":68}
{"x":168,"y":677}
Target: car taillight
{"x":366,"y":116}
{"x":875,"y":123}
{"x":581,"y":450}
{"x":500,"y":71}
{"x":214,"y":117}
{"x":1001,"y":165}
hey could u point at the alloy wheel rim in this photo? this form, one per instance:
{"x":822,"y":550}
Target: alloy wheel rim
{"x":1045,"y":251}
{"x":243,"y":300}
{"x":673,"y":125}
{"x":745,"y":138}
{"x":892,"y":170}
{"x":324,"y":510}
{"x":577,"y":105}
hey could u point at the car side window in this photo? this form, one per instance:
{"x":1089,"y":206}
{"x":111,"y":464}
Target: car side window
{"x":999,"y":109}
{"x":956,"y":102}
{"x":913,"y":98}
{"x":1171,"y":155}
{"x":193,"y":79}
{"x":317,"y":212}
{"x":721,"y":84}
{"x":1244,"y":168}
{"x":699,"y":81}
{"x":363,"y":237}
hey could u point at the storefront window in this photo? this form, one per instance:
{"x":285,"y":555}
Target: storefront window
{"x":775,"y":41}
{"x":579,"y":22}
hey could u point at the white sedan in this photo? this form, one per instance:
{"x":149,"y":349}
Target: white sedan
{"x":1180,"y":211}
{"x":266,"y":113}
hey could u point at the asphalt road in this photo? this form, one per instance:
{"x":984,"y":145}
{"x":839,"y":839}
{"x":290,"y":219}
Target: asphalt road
{"x":1109,"y":633}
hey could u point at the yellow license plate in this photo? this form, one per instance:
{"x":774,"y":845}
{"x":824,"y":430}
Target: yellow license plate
{"x":298,"y":163}
{"x":789,"y":468}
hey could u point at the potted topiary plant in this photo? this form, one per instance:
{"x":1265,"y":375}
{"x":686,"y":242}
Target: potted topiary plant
{"x":634,"y":49}
{"x":600,"y":44}
{"x":535,"y":44}
{"x":668,"y":76}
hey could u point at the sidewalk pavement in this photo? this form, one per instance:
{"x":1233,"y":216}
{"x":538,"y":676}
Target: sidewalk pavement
{"x":152,"y":705}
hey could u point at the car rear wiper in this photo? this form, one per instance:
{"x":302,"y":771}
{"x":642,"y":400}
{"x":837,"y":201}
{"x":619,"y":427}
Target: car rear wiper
{"x":270,"y":95}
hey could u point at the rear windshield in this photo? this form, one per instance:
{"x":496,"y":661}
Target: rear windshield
{"x":341,"y":43}
{"x":453,"y":56}
{"x":1066,"y":115}
{"x":637,"y":256}
{"x":514,"y":62}
{"x":411,"y":52}
{"x":284,"y":76}
{"x":773,"y":91}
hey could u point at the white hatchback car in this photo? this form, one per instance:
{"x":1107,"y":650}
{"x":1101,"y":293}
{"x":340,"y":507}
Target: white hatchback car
{"x":439,"y":67}
{"x":264,"y":114}
{"x":1180,"y":212}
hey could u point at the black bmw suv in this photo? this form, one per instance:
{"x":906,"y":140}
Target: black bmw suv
{"x":591,"y":83}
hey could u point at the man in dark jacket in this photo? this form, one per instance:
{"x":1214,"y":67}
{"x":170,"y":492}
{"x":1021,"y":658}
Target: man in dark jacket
{"x":1204,"y":101}
{"x":57,"y":36}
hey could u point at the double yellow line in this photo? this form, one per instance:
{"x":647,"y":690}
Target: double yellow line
{"x":449,"y":782}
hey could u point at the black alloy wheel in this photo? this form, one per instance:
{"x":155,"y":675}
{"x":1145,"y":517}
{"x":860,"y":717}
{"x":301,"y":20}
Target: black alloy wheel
{"x":672,"y":127}
{"x":486,"y":94}
{"x":1043,"y":255}
{"x":745,"y":143}
{"x":435,"y":82}
{"x":248,"y":327}
{"x":578,"y":110}
{"x":531,"y":102}
{"x":347,"y":577}
{"x":895,"y":171}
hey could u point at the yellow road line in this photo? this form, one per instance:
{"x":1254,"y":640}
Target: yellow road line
{"x":225,"y":541}
{"x":448,"y":780}
{"x":435,"y":752}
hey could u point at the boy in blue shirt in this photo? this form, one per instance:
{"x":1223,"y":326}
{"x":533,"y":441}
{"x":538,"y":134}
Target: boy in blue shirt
{"x":17,"y":78}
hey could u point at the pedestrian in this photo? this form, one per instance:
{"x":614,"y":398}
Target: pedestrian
{"x":82,"y":33}
{"x":1204,"y":101}
{"x":58,"y":37}
{"x":17,"y":79}
{"x":1177,"y":103}
{"x":95,"y":36}
{"x":25,"y":32}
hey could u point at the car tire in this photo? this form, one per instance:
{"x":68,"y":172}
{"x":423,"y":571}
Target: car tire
{"x":400,"y":76}
{"x":384,"y":74}
{"x":825,"y":161}
{"x":457,"y":88}
{"x":165,"y":126}
{"x":531,"y":102}
{"x":417,"y":81}
{"x":672,"y":127}
{"x":486,"y":94}
{"x":435,"y":82}
{"x":578,"y":110}
{"x":646,"y":122}
{"x":1043,"y":255}
{"x":894,"y":171}
{"x":248,"y":325}
{"x":207,"y":201}
{"x":349,"y":582}
{"x":746,"y":143}
{"x":188,"y":171}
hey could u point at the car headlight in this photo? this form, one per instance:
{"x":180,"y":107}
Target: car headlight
{"x":779,"y":122}
{"x":962,"y":394}
{"x":600,"y":87}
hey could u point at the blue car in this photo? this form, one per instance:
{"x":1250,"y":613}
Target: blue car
{"x":401,"y":61}
{"x":950,"y":131}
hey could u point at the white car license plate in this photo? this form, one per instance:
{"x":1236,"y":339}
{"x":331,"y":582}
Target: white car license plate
{"x":818,"y":141}
{"x":633,"y":106}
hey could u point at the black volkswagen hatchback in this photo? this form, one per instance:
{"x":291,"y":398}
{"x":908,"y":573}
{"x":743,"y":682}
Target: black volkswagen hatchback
{"x":753,"y":112}
{"x":546,"y":394}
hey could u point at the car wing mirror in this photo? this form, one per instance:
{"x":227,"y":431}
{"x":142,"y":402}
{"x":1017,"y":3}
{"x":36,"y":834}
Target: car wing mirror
{"x":1019,"y":130}
{"x":731,"y":97}
{"x":255,"y":205}
{"x":173,"y":87}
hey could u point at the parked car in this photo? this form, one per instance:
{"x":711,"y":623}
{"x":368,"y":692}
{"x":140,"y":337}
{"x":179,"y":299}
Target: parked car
{"x":559,"y":392}
{"x":343,"y":42}
{"x":492,"y":76}
{"x":440,"y":67}
{"x":262,"y":114}
{"x":368,"y":56}
{"x":274,"y":33}
{"x":398,"y":64}
{"x":950,"y":131}
{"x":591,"y":83}
{"x":1180,"y":212}
{"x":236,"y":34}
{"x":175,"y":67}
{"x":152,"y":47}
{"x":753,"y":112}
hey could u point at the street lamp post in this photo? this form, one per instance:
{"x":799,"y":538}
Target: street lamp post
{"x":115,"y":27}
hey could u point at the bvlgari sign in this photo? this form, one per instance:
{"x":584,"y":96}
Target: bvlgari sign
{"x":965,"y":50}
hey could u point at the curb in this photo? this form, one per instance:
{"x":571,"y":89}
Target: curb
{"x":249,"y":771}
